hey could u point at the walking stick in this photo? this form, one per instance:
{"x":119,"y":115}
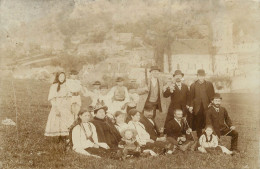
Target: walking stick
{"x":189,"y":127}
{"x":228,"y":132}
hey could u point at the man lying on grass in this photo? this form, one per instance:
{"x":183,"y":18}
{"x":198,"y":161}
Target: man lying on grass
{"x":218,"y":117}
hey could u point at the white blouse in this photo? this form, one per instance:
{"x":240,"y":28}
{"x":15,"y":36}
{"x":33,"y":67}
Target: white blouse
{"x":203,"y":141}
{"x":142,"y":135}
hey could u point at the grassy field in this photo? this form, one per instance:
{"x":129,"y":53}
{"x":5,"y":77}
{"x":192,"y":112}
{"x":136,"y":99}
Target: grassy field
{"x":24,"y":145}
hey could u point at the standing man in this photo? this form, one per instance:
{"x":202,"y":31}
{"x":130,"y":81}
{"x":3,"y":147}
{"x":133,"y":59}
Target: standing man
{"x":218,"y":117}
{"x":201,"y":92}
{"x":179,"y":93}
{"x":153,"y":92}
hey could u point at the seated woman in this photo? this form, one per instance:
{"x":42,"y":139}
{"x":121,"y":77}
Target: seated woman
{"x":143,"y":136}
{"x":106,"y":131}
{"x":120,"y":121}
{"x":84,"y":135}
{"x":208,"y":141}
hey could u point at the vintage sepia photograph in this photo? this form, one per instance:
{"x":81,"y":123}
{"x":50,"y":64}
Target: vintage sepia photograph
{"x":130,"y":84}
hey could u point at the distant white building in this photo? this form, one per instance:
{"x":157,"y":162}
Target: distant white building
{"x":189,"y":55}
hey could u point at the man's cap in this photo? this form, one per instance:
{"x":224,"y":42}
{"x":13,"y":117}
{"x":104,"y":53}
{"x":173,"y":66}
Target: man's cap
{"x":178,"y":72}
{"x":216,"y":96}
{"x":96,"y":83}
{"x":155,"y":68}
{"x":201,"y":72}
{"x":148,"y":107}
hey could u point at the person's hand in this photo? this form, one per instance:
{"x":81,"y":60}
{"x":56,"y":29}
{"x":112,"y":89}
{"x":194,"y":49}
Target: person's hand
{"x":189,"y":131}
{"x":58,"y":115}
{"x":232,"y":128}
{"x":183,"y":139}
{"x":151,"y":141}
{"x":165,"y":88}
{"x":120,"y":146}
{"x":190,"y":109}
{"x":138,"y":149}
{"x":96,"y":146}
{"x":123,"y":107}
{"x":161,"y":130}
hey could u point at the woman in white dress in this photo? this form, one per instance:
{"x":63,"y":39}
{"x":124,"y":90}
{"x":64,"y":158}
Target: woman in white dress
{"x":60,"y":117}
{"x":143,"y":136}
{"x":84,"y":136}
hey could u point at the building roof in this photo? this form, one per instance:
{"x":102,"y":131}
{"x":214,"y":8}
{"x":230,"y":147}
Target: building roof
{"x":190,"y":46}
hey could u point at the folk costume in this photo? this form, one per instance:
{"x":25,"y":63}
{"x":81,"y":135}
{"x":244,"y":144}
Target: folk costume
{"x":60,"y":117}
{"x":142,"y":136}
{"x":209,"y":143}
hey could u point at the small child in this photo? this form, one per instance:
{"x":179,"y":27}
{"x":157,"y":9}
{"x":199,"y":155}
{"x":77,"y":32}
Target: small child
{"x":120,"y":121}
{"x":209,"y":141}
{"x":128,"y":144}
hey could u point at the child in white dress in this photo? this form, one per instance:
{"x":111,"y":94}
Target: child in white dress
{"x":209,"y":141}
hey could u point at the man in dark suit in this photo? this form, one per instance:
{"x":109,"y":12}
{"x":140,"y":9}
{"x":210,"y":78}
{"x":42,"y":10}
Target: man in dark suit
{"x":150,"y":125}
{"x":178,"y":132}
{"x":201,"y":92}
{"x":179,"y":93}
{"x":218,"y":117}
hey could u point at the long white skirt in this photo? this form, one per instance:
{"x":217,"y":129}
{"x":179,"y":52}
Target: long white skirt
{"x":60,"y":118}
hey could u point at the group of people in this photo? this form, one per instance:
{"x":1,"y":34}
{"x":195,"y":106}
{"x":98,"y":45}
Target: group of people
{"x":119,"y":122}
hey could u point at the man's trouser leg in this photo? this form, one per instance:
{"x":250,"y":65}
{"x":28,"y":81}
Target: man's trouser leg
{"x":234,"y":138}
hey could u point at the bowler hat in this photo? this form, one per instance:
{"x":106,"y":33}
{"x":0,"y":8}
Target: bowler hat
{"x":148,"y":107}
{"x":119,"y":79}
{"x":201,"y":72}
{"x":178,"y":72}
{"x":96,"y":83}
{"x":155,"y":68}
{"x":216,"y":96}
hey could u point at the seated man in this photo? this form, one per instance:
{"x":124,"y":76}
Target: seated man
{"x":106,"y":131}
{"x":150,"y":125}
{"x":217,"y":116}
{"x":178,"y":132}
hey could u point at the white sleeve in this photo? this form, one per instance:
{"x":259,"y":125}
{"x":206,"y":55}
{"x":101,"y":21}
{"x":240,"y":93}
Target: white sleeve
{"x":127,"y":97}
{"x":79,"y":139}
{"x":201,"y":141}
{"x":214,"y":141}
{"x":52,"y":92}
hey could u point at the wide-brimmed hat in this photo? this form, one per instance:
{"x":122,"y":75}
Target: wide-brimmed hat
{"x":98,"y":107}
{"x":119,"y":79}
{"x":122,"y":133}
{"x":178,"y":72}
{"x":96,"y":83}
{"x":216,"y":96}
{"x":155,"y":68}
{"x":201,"y":72}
